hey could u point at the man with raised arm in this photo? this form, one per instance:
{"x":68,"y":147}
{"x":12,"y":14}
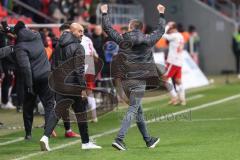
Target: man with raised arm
{"x":133,"y":76}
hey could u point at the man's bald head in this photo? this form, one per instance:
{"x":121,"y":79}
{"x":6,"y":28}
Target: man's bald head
{"x":77,"y":30}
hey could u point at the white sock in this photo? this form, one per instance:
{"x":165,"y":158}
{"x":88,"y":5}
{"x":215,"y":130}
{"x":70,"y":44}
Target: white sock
{"x":171,"y":89}
{"x":92,"y":102}
{"x":93,"y":106}
{"x":181,"y":92}
{"x":173,"y":93}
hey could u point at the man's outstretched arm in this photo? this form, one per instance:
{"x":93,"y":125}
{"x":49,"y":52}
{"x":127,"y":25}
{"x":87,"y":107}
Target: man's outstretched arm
{"x":107,"y":26}
{"x":155,"y":36}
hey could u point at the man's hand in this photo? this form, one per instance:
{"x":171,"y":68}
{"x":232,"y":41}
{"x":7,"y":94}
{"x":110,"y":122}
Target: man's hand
{"x":104,"y":8}
{"x":161,"y":9}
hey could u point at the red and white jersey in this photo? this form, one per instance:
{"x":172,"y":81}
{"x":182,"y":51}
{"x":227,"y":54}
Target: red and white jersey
{"x":176,"y":46}
{"x":88,"y":45}
{"x":89,"y":52}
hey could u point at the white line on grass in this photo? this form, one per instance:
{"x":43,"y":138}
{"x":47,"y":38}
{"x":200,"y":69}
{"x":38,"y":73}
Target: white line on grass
{"x":146,"y":109}
{"x":213,"y":119}
{"x":150,"y":121}
{"x":12,"y":141}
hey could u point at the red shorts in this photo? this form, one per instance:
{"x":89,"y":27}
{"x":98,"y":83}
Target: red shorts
{"x":90,"y":79}
{"x":173,"y":71}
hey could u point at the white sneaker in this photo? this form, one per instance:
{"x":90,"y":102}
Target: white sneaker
{"x":44,"y":144}
{"x":95,"y":120}
{"x":239,"y":76}
{"x":9,"y":105}
{"x":183,"y":102}
{"x":90,"y":145}
{"x":174,"y":101}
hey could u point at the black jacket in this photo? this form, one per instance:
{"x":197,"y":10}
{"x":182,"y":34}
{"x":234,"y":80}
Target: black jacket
{"x":67,"y":49}
{"x":135,"y":58}
{"x":31,"y":57}
{"x":98,"y":43}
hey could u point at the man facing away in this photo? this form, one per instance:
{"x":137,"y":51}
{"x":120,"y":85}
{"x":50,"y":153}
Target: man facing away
{"x":139,"y":53}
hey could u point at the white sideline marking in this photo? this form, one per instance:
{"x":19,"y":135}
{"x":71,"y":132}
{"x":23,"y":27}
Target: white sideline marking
{"x":213,"y":119}
{"x":12,"y":141}
{"x":188,"y":99}
{"x":150,"y":121}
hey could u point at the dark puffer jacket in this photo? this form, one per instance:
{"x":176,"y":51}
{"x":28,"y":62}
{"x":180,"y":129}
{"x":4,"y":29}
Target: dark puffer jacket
{"x":31,"y":57}
{"x":68,"y":48}
{"x":135,"y":58}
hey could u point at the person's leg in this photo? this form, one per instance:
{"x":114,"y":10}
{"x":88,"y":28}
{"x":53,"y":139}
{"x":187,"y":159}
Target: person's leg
{"x":20,"y":91}
{"x":170,"y":73}
{"x":80,"y":109}
{"x":92,"y":104}
{"x":142,"y":125}
{"x":67,"y":125}
{"x":238,"y":64}
{"x":66,"y":122}
{"x":171,"y":89}
{"x":5,"y":87}
{"x":181,"y":90}
{"x":46,"y":97}
{"x":60,"y":111}
{"x":136,"y":93}
{"x":180,"y":87}
{"x":28,"y":107}
{"x":90,"y":96}
{"x":62,"y":104}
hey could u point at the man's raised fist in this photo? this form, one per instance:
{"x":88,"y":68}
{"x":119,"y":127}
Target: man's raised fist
{"x":104,"y":8}
{"x":161,"y":8}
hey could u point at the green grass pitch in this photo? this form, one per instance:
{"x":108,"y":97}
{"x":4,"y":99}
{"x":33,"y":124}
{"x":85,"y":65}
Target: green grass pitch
{"x":210,"y":133}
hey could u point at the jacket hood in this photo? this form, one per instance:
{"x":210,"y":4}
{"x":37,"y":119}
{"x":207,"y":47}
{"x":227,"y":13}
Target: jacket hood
{"x":26,"y":35}
{"x":68,"y":38}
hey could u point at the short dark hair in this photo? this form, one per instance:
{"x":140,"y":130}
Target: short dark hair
{"x":180,"y":27}
{"x":191,"y":28}
{"x":136,"y":24}
{"x":65,"y":26}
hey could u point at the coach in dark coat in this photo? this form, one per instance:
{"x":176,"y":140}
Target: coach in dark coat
{"x":34,"y":68}
{"x":67,"y":81}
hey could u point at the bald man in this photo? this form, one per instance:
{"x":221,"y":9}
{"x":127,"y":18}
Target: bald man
{"x":70,"y":48}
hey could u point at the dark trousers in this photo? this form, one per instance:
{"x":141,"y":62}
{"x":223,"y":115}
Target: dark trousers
{"x":6,"y":84}
{"x":237,"y":56}
{"x":66,"y":121}
{"x":62,"y":111}
{"x":41,"y":90}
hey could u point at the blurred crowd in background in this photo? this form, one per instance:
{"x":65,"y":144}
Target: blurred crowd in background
{"x":80,"y":11}
{"x":84,"y":12}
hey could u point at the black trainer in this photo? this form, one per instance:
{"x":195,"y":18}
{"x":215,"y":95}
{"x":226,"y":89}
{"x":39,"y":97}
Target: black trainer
{"x":153,"y":142}
{"x":119,"y":145}
{"x":28,"y":137}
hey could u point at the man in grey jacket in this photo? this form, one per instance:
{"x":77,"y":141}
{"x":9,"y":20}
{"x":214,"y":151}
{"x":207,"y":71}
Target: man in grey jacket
{"x":134,"y":67}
